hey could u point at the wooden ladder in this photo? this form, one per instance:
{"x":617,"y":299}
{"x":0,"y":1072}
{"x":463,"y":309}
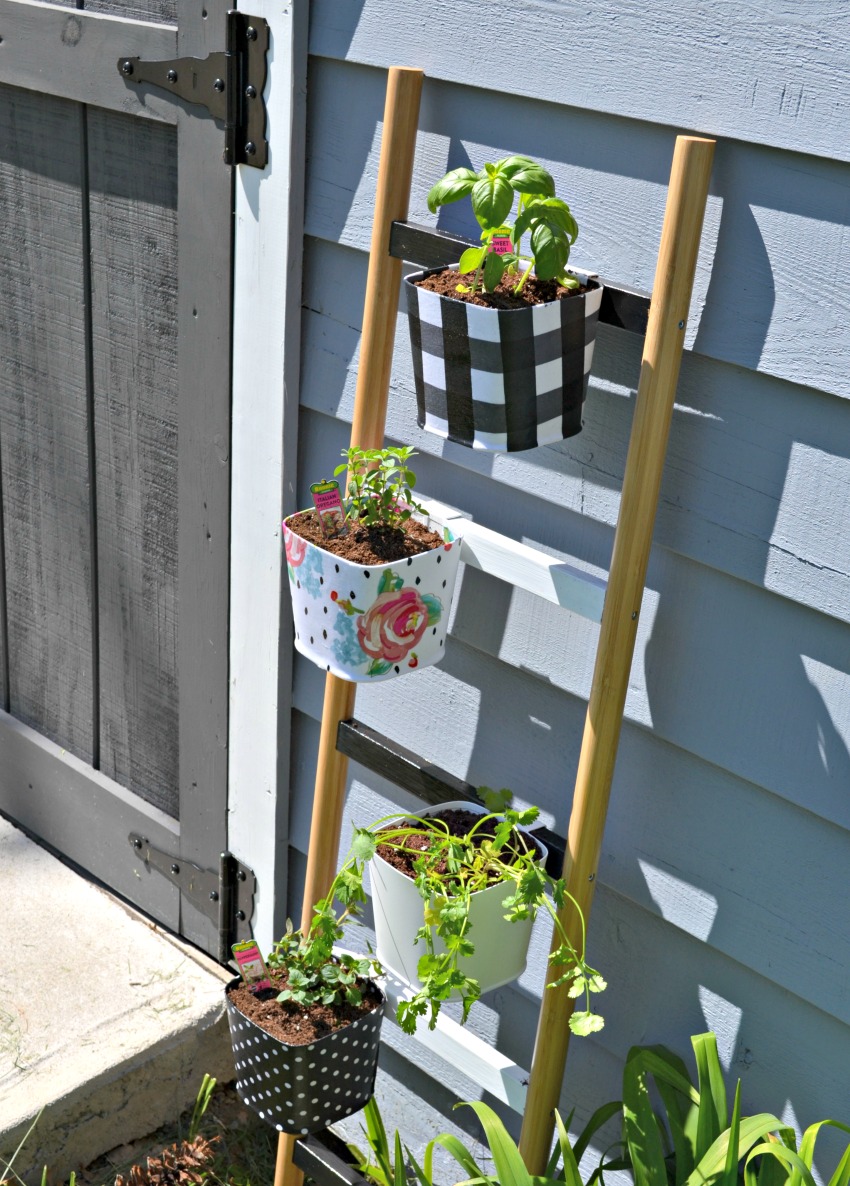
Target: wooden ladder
{"x":616,"y":606}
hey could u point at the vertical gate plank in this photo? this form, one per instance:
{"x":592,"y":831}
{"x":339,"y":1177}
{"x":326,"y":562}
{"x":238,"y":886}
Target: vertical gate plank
{"x":43,"y":448}
{"x":133,"y":198}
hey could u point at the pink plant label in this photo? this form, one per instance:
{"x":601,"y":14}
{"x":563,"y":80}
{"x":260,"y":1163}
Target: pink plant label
{"x":501,"y":244}
{"x":328,"y":503}
{"x":251,"y":964}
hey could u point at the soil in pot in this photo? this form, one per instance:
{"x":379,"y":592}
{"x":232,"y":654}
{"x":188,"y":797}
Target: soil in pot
{"x":459,"y":823}
{"x":292,"y":1023}
{"x":377,"y":544}
{"x":533,"y":292}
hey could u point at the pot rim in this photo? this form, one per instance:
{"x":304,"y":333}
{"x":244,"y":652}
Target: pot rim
{"x":456,"y":539}
{"x":479,"y":809}
{"x":379,"y":1008}
{"x":591,"y":279}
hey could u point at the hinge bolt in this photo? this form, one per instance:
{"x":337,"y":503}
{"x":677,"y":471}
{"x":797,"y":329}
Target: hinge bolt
{"x":240,"y":915}
{"x":171,"y":76}
{"x":137,"y":844}
{"x":175,"y":868}
{"x":251,"y":91}
{"x":213,"y":895}
{"x":218,"y":85}
{"x":127,"y":68}
{"x":251,"y":33}
{"x":250,"y":148}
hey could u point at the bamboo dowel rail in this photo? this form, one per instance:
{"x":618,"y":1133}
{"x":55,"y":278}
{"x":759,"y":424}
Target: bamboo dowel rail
{"x":383,"y":284}
{"x":659,"y":373}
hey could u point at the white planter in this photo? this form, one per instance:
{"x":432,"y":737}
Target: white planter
{"x":501,"y":947}
{"x":371,"y":622}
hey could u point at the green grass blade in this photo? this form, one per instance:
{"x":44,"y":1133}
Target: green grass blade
{"x":600,"y":1117}
{"x":729,"y":1177}
{"x":641,"y":1127}
{"x":458,"y":1151}
{"x":713,"y":1109}
{"x":713,"y":1162}
{"x":510,"y":1168}
{"x":841,"y":1177}
{"x":399,"y":1171}
{"x":570,"y":1170}
{"x":779,"y":1151}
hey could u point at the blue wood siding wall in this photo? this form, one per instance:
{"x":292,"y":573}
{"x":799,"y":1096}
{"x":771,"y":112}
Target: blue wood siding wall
{"x":722,"y":889}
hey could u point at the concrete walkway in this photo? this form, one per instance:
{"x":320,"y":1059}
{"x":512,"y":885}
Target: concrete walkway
{"x":106,"y":1023}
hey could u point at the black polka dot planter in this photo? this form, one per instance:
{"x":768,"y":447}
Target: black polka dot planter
{"x":371,"y":623}
{"x":302,"y":1089}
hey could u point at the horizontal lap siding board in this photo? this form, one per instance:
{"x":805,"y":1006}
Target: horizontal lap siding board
{"x":769,"y":74}
{"x":133,"y":194}
{"x":772,"y":283}
{"x":43,"y":413}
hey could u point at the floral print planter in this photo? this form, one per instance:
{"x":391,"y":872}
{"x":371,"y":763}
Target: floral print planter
{"x":302,"y":1089}
{"x":370,"y":622}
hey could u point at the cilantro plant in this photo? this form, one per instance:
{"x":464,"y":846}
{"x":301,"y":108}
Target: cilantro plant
{"x":472,"y":863}
{"x":552,"y":228}
{"x":380,"y":486}
{"x":316,"y":974}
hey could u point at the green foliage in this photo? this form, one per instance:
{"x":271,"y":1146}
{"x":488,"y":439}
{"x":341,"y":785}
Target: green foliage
{"x":472,"y":864}
{"x":693,"y":1140}
{"x":316,"y":974}
{"x":508,"y":1166}
{"x":380,"y":486}
{"x":202,"y":1102}
{"x":546,"y":217}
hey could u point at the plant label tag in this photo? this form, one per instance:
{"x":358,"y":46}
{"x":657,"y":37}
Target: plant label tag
{"x":251,"y":965}
{"x":329,"y":508}
{"x":501,"y":244}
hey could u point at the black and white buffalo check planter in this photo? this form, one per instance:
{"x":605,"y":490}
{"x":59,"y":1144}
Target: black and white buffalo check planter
{"x":502,"y":380}
{"x":302,"y":1089}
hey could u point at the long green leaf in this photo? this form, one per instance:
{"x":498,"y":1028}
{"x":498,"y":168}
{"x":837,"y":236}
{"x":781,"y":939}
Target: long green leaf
{"x":775,"y":1149}
{"x":729,"y":1177}
{"x":458,"y":1151}
{"x":600,"y":1117}
{"x":711,"y":1119}
{"x":807,"y":1153}
{"x":510,"y":1168}
{"x":399,"y":1171}
{"x":712,"y":1163}
{"x":641,"y":1128}
{"x":571,"y":1174}
{"x":423,"y":1174}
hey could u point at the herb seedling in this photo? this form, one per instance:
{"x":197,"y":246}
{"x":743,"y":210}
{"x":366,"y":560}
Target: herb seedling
{"x":473,"y":863}
{"x":491,"y":191}
{"x":380,"y":485}
{"x":316,"y":974}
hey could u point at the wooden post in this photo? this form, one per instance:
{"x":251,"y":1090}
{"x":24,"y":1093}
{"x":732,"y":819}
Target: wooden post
{"x":383,"y":284}
{"x":659,"y":374}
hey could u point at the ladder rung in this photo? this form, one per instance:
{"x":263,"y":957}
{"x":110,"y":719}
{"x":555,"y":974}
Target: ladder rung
{"x":471,"y":1055}
{"x":427,"y":782}
{"x":523,"y":566}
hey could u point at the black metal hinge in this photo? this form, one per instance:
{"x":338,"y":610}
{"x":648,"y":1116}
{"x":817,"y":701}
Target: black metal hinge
{"x":225,"y":896}
{"x":229,"y":84}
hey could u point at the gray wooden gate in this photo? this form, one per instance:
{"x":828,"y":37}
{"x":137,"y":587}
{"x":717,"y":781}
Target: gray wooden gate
{"x":115,"y":272}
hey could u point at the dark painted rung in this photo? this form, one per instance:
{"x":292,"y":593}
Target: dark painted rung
{"x":626,"y":308}
{"x":426,"y":781}
{"x":322,"y":1165}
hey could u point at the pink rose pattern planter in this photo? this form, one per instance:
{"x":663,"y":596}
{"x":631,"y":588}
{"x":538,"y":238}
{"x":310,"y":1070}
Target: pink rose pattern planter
{"x":366,"y":623}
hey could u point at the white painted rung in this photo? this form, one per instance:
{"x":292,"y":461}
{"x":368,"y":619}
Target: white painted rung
{"x":454,"y":1044}
{"x":523,"y":566}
